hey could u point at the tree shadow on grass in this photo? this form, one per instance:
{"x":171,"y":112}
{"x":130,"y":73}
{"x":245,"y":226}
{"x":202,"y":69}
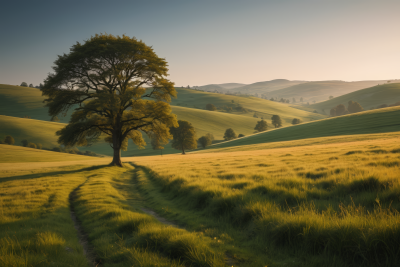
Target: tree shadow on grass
{"x":48,"y":174}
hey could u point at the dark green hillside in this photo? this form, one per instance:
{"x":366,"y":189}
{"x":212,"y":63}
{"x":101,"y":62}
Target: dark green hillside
{"x":374,"y":121}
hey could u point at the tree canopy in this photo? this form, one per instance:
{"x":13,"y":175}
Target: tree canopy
{"x":9,"y":140}
{"x":261,"y":126}
{"x":204,"y":141}
{"x":184,"y":136}
{"x":103,"y":80}
{"x":24,"y":84}
{"x":230,"y":134}
{"x":354,"y":107}
{"x":276,"y":121}
{"x":211,"y":107}
{"x":296,"y":121}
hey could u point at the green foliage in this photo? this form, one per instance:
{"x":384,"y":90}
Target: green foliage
{"x":103,"y":81}
{"x":24,"y":143}
{"x":210,"y":136}
{"x":9,"y":140}
{"x":39,"y":146}
{"x":204,"y":141}
{"x":241,"y":135}
{"x":211,"y":107}
{"x":276,"y":121}
{"x":31,"y":85}
{"x":261,"y":126}
{"x":184,"y":136}
{"x":255,"y":115}
{"x":230,"y":134}
{"x":31,"y":145}
{"x":24,"y":84}
{"x":296,"y":121}
{"x":354,"y":107}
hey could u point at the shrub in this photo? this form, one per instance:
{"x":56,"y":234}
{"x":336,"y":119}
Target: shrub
{"x":241,"y":135}
{"x":296,"y":121}
{"x":211,"y":107}
{"x":32,"y":145}
{"x":55,"y":118}
{"x":56,"y":149}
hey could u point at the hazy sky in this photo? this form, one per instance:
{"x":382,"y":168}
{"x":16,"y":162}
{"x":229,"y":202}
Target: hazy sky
{"x":213,"y":41}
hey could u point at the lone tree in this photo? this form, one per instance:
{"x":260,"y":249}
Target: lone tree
{"x":354,"y":107}
{"x":103,"y":80}
{"x":276,"y":121}
{"x":9,"y":140}
{"x":261,"y":126}
{"x":24,"y":84}
{"x":25,"y":143}
{"x":184,"y":136}
{"x":230,"y":134}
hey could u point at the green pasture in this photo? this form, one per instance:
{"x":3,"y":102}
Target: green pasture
{"x":368,"y":98}
{"x":367,"y":122}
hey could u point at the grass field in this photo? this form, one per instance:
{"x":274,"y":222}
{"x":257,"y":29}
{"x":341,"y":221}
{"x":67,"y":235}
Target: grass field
{"x":368,"y":122}
{"x":368,"y":98}
{"x":324,"y":205}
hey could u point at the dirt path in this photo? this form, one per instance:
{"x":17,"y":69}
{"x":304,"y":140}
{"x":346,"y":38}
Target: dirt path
{"x":88,"y":250}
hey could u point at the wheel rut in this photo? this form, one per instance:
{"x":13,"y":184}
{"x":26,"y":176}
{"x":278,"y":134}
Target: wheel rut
{"x":88,"y":249}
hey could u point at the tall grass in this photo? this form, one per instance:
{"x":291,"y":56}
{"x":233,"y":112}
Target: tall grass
{"x":341,"y":200}
{"x":35,"y":224}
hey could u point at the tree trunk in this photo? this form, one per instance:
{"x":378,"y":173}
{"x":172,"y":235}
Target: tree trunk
{"x":117,"y":151}
{"x":183,"y":151}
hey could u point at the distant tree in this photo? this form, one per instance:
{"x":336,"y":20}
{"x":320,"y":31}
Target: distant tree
{"x":205,"y":141}
{"x":241,"y":109}
{"x":55,"y":118}
{"x":211,"y":107}
{"x":184,"y":136}
{"x":261,"y":126}
{"x":315,"y":111}
{"x":296,"y":121}
{"x":272,"y":99}
{"x":24,"y":84}
{"x":188,"y":87}
{"x":39,"y":146}
{"x":230,"y":134}
{"x":333,"y":112}
{"x":294,"y":100}
{"x":233,"y":101}
{"x":331,"y":97}
{"x":32,"y":145}
{"x":354,"y":107}
{"x":211,"y":136}
{"x":341,"y":110}
{"x":56,"y":149}
{"x":241,"y":135}
{"x":25,"y":142}
{"x":255,"y":115}
{"x":9,"y":140}
{"x":301,"y":99}
{"x":276,"y":121}
{"x":31,"y":85}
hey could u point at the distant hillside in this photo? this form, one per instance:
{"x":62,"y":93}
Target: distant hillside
{"x":264,"y":87}
{"x":368,"y":122}
{"x":368,"y":98}
{"x":320,"y":91}
{"x":264,"y":108}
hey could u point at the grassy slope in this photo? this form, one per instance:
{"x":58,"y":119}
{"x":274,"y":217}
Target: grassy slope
{"x":374,"y":121}
{"x":266,"y":108}
{"x":264,"y":87}
{"x":368,"y":97}
{"x":10,"y":154}
{"x":321,"y":90}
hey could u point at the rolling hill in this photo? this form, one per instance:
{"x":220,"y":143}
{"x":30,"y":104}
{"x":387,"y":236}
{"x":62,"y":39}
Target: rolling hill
{"x":199,"y":100}
{"x":320,"y":90}
{"x":368,"y":98}
{"x":264,"y":87}
{"x":367,"y":122}
{"x":223,"y":87}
